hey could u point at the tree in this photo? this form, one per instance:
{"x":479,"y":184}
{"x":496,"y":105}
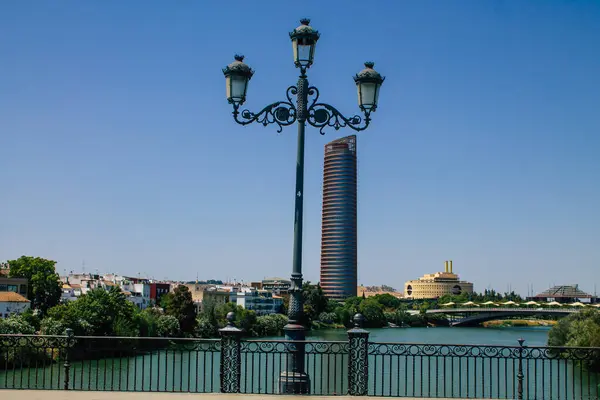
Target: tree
{"x":44,"y":288}
{"x":387,"y":300}
{"x":14,"y":325}
{"x":269,"y":325}
{"x":98,"y":313}
{"x":244,"y":319}
{"x":167,"y":326}
{"x":179,"y":304}
{"x":580,"y":329}
{"x":328,"y":317}
{"x":315,"y":302}
{"x":372,"y":310}
{"x":352,"y":304}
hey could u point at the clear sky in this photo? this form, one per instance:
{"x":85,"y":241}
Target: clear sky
{"x":118,"y":148}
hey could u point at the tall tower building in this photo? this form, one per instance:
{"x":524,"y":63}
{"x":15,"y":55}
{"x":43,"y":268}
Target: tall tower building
{"x":338,"y":229}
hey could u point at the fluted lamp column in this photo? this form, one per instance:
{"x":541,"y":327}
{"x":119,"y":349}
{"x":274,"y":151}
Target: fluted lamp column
{"x":305,"y":108}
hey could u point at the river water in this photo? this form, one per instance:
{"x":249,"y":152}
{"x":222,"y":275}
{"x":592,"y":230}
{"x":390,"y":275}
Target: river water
{"x":535,"y":336}
{"x":395,"y":368}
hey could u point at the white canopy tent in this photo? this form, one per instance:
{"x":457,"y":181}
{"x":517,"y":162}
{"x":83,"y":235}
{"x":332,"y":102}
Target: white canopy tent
{"x":489,"y":303}
{"x":531,"y":303}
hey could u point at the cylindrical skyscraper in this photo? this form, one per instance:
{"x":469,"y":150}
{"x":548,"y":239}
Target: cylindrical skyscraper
{"x":338,"y":232}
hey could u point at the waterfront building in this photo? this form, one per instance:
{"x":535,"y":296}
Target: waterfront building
{"x":263,"y":302}
{"x":140,"y":291}
{"x":203,"y":294}
{"x":276,"y":285}
{"x":432,"y":286}
{"x":338,"y":227}
{"x":564,"y":294}
{"x":12,"y":303}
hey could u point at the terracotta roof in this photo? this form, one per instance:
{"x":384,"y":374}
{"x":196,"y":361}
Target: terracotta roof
{"x":126,"y":293}
{"x":75,"y":286}
{"x":65,"y":286}
{"x":12,"y":297}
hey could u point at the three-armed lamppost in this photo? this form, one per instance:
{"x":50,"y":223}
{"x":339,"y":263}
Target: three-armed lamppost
{"x":320,"y":115}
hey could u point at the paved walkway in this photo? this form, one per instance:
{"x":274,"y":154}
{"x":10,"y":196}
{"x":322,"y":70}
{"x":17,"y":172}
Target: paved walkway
{"x":80,"y":395}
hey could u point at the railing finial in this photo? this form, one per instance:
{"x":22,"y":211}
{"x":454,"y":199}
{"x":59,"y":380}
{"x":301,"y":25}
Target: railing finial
{"x":230,"y":319}
{"x":359,"y":320}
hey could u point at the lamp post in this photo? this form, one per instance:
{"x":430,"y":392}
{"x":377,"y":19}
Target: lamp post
{"x":320,"y":115}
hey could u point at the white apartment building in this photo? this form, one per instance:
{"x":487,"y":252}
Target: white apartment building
{"x":260,"y":301}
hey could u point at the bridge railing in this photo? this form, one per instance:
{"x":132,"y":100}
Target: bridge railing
{"x":356,"y":366}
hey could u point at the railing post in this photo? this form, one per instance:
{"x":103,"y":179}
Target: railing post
{"x":520,"y":374}
{"x":358,"y":358}
{"x":67,"y":365}
{"x":231,"y":356}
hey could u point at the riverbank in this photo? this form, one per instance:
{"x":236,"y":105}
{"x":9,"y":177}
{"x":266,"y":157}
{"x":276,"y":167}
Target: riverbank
{"x":512,"y":323}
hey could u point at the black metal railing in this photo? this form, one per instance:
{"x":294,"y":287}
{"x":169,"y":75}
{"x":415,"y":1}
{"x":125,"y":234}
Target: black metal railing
{"x":357,"y":366}
{"x":474,"y":371}
{"x":109,"y":363}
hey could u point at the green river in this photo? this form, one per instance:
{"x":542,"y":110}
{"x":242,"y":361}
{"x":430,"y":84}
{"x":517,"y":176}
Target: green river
{"x":395,"y":368}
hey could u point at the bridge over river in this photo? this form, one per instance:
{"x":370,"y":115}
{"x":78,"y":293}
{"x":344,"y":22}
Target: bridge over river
{"x":477,"y":315}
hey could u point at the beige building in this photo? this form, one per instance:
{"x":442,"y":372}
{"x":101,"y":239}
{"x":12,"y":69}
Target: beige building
{"x":432,"y":286}
{"x":201,"y":293}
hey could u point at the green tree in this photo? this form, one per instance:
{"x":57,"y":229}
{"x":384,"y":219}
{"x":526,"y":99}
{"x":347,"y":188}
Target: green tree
{"x":352,"y":304}
{"x":372,"y":310}
{"x":98,"y":312}
{"x":51,"y":326}
{"x":244,"y":319}
{"x":269,"y":325}
{"x":580,"y":329}
{"x":32,"y":317}
{"x":179,"y":304}
{"x":328,"y":317}
{"x":44,"y":288}
{"x":205,"y":328}
{"x":14,"y":325}
{"x":315,"y":302}
{"x":388,"y":301}
{"x":167,"y":326}
{"x":344,"y":316}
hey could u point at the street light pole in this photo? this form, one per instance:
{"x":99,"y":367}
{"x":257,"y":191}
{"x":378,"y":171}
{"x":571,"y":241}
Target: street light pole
{"x":320,"y":115}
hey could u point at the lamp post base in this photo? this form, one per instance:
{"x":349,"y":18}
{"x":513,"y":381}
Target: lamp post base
{"x":294,"y":383}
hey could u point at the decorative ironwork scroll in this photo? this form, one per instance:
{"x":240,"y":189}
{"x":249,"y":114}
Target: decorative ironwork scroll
{"x":231,"y":359}
{"x":358,"y":362}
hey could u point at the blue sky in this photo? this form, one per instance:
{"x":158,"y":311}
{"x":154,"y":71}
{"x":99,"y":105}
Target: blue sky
{"x":118,"y":146}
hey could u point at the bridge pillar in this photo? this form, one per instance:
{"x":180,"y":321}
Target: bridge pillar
{"x":231,"y":357}
{"x":358,"y":360}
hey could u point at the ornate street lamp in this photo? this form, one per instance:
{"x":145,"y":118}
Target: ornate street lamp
{"x":320,"y":115}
